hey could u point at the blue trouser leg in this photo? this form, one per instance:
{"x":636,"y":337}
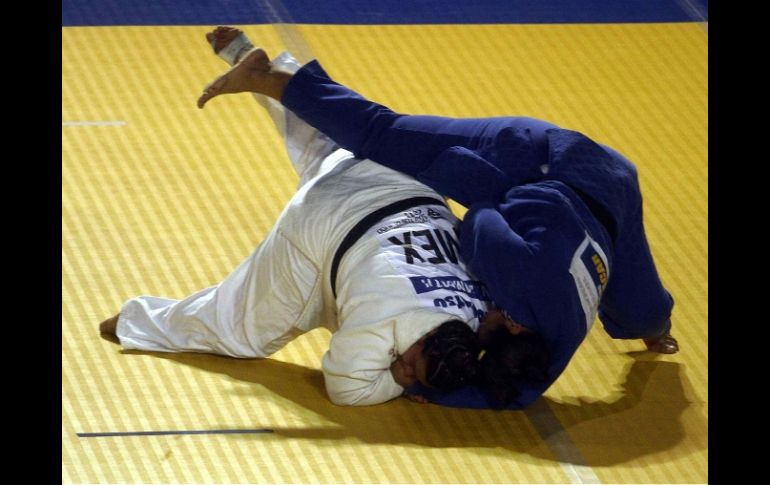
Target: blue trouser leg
{"x":635,"y":303}
{"x":407,"y":143}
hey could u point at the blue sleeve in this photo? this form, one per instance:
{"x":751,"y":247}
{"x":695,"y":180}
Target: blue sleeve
{"x":502,"y":258}
{"x":470,"y":397}
{"x":473,"y":397}
{"x":522,"y":249}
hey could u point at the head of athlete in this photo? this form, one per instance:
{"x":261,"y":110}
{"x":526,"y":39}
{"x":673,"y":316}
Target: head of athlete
{"x":513,"y":357}
{"x":445,"y":358}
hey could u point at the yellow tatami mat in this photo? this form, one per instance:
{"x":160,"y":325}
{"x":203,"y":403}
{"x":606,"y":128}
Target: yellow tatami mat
{"x":161,"y":198}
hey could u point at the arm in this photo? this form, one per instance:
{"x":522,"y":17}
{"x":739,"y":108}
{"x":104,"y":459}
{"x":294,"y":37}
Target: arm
{"x":472,"y":397}
{"x":357,"y":366}
{"x":522,"y":249}
{"x":494,"y":252}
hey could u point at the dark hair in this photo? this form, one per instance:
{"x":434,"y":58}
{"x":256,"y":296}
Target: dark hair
{"x":510,"y":361}
{"x":452,"y":356}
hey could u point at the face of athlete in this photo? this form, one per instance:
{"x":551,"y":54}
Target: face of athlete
{"x":411,"y":367}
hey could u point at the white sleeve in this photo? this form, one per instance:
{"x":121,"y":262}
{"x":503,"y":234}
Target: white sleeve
{"x":357,"y":365}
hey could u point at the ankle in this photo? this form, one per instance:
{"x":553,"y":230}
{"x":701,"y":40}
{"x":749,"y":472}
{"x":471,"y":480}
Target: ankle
{"x":277,"y":80}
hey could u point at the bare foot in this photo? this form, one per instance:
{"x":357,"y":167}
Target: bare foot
{"x":251,"y":74}
{"x":221,"y":37}
{"x":108,"y":329}
{"x":662,"y":345}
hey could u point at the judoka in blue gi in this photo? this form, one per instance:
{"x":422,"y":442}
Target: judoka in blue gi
{"x":554,"y":222}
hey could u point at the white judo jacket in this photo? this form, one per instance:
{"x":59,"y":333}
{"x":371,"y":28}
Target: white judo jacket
{"x":401,"y":279}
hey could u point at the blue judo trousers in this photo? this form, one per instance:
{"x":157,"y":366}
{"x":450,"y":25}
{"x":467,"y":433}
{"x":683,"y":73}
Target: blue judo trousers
{"x":554,"y":223}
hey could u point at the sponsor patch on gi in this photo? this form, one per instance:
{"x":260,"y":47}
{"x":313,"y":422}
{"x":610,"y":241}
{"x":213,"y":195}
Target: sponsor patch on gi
{"x":590,"y":270}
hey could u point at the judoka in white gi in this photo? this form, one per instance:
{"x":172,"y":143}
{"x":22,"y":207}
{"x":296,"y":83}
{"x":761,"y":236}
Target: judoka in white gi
{"x":362,"y":250}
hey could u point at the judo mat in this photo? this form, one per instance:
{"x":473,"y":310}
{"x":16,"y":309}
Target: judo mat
{"x":161,"y":198}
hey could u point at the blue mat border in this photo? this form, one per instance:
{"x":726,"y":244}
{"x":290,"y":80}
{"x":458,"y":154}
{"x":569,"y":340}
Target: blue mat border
{"x":377,"y":12}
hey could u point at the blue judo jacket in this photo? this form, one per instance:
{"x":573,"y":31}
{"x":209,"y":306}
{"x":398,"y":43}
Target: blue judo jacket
{"x":554,"y":223}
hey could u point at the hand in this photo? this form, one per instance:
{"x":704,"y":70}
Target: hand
{"x":665,"y":344}
{"x":416,"y":398}
{"x":403,"y":373}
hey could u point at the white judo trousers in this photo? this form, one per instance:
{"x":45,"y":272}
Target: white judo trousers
{"x":400,"y":280}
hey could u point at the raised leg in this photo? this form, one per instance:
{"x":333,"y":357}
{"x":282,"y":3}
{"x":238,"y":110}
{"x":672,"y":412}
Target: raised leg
{"x":306,"y":146}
